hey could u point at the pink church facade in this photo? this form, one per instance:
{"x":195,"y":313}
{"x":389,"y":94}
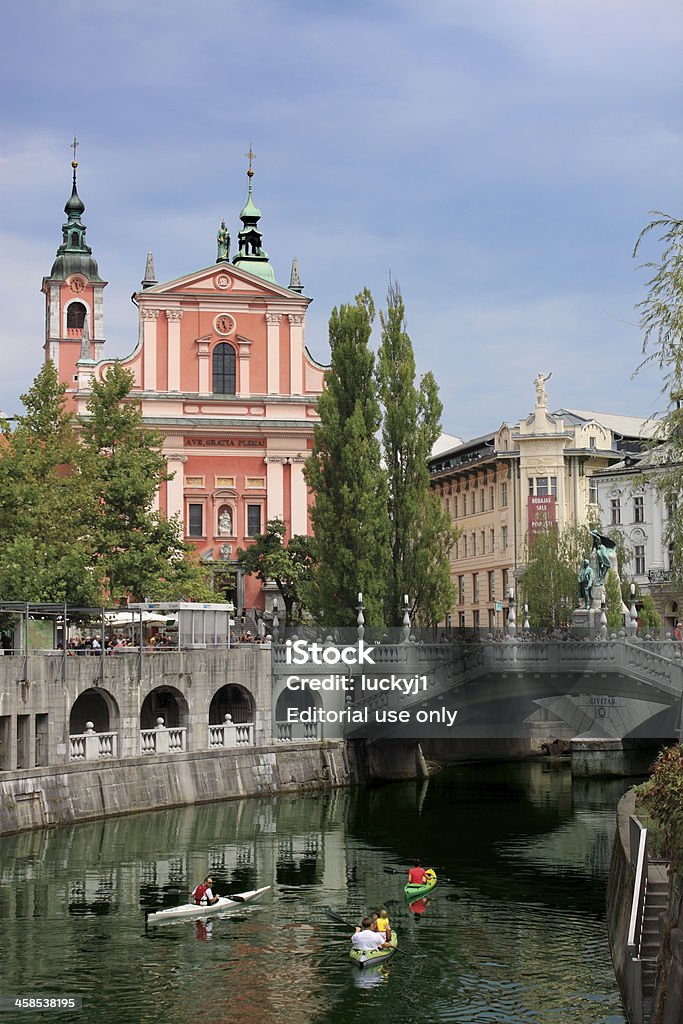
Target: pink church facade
{"x":220,"y":369}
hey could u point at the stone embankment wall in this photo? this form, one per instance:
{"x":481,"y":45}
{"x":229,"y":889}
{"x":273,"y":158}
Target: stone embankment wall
{"x":668,"y":997}
{"x":69,"y":793}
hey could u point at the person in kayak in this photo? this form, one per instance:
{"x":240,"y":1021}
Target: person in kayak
{"x":381,"y":924}
{"x":203,"y":895}
{"x":417,"y":875}
{"x":365,"y":938}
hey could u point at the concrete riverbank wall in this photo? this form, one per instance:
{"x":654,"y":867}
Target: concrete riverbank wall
{"x":665,"y":1004}
{"x":79,"y":792}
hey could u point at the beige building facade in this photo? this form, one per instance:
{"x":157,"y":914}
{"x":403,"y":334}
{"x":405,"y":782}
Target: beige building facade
{"x":500,"y":487}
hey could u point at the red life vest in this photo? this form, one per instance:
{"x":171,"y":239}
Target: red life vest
{"x":200,"y":892}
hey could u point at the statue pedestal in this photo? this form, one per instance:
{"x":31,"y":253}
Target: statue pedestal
{"x":587,"y":619}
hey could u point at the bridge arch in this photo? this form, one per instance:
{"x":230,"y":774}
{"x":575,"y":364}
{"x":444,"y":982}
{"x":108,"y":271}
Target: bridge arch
{"x":165,"y":702}
{"x":235,"y":700}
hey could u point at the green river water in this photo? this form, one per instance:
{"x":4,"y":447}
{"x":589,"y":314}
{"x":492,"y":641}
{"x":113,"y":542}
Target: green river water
{"x":518,"y":936}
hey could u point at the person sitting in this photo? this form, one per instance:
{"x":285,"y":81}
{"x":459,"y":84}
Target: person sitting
{"x":203,"y":895}
{"x":417,"y":874}
{"x":364,"y":938}
{"x":381,"y":923}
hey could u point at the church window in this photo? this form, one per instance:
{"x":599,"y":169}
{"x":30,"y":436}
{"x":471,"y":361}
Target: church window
{"x":253,"y":520}
{"x":74,"y":237}
{"x":223,"y":377}
{"x":75,"y":315}
{"x":196,"y":520}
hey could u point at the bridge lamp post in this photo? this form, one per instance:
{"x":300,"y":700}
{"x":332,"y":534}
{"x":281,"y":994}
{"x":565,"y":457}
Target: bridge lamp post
{"x":633,"y":613}
{"x":360,"y":619}
{"x":526,"y":620}
{"x":512,"y":620}
{"x":603,"y":616}
{"x":276,"y":622}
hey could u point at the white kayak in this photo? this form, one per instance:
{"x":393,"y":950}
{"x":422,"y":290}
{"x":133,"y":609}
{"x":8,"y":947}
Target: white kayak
{"x":197,"y":910}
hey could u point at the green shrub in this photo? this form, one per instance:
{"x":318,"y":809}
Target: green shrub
{"x":664,"y":801}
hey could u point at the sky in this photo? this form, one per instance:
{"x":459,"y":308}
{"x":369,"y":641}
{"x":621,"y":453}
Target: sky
{"x":498,"y":160}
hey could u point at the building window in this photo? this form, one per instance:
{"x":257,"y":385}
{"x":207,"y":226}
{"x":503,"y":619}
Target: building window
{"x":482,"y":538}
{"x":492,"y":499}
{"x":671,"y":556}
{"x":492,"y":619}
{"x":476,"y":619}
{"x":475,"y":587}
{"x":223,"y":379}
{"x":461,"y":620}
{"x":506,"y":583}
{"x":542,"y":485}
{"x":492,"y":539}
{"x":482,"y":500}
{"x":639,"y":553}
{"x":253,"y":520}
{"x":195,"y":526}
{"x":461,"y":589}
{"x":492,"y":586}
{"x":464,"y":547}
{"x":638,"y":509}
{"x":591,"y":442}
{"x":504,"y":538}
{"x":455,"y":507}
{"x":474,"y":544}
{"x":504,"y":495}
{"x":592,"y":491}
{"x":474,"y":502}
{"x":531,"y":487}
{"x":615,"y":511}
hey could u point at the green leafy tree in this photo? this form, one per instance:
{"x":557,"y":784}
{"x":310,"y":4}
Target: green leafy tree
{"x":136,"y":546}
{"x":661,"y":320}
{"x":613,"y":603}
{"x":663,"y":797}
{"x":648,"y":615}
{"x":421,"y":532}
{"x":289,"y":564}
{"x":46,"y":552}
{"x":350,"y":521}
{"x":549,"y":586}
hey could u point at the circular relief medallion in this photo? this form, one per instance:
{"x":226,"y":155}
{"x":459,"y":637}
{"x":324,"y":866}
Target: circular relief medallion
{"x":222,"y":281}
{"x":77,"y":284}
{"x":224,"y":324}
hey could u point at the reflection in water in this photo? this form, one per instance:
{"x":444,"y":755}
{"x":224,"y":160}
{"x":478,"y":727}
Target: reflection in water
{"x":518,"y":938}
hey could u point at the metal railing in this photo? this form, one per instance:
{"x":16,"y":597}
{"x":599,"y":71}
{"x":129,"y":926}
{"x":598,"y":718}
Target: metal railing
{"x":634,"y":966}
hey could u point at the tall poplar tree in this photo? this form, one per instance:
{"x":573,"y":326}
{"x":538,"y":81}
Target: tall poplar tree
{"x":46,"y":552}
{"x":349,"y":518}
{"x":422,"y":534}
{"x":136,"y":545}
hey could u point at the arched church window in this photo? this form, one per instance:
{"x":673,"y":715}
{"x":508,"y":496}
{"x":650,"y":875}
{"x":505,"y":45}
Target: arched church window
{"x":223,"y":370}
{"x":75,"y":315}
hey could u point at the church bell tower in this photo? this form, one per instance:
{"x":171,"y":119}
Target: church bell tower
{"x":74,"y":327}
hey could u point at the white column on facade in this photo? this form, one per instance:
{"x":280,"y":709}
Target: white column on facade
{"x":243,"y":352}
{"x":275,"y":486}
{"x":149,"y":348}
{"x":203,"y":345}
{"x":299,"y":491}
{"x":98,"y":314}
{"x":174,"y":316}
{"x":273,"y":364}
{"x":296,"y":352}
{"x":175,"y":488}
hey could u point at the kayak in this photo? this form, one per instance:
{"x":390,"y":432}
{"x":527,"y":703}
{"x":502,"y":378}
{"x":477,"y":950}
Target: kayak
{"x":368,"y":957}
{"x":415,"y":891}
{"x":193,"y":910}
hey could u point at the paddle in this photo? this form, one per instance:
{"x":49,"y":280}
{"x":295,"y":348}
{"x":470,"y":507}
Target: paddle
{"x":340,"y":920}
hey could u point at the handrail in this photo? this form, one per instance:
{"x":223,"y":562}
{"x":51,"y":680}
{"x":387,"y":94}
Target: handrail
{"x":636,"y":918}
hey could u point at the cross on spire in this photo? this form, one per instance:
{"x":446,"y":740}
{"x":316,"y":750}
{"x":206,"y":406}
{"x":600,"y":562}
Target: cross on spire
{"x":250,"y":156}
{"x":73,"y":146}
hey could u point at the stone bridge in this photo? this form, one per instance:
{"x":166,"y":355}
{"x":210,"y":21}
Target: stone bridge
{"x":623,"y":688}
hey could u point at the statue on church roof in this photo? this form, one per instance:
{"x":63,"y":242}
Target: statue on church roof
{"x":223,"y":240}
{"x":539,"y":383}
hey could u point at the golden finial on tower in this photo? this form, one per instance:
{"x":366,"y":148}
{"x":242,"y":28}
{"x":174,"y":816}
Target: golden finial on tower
{"x":74,"y":145}
{"x":250,"y":156}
